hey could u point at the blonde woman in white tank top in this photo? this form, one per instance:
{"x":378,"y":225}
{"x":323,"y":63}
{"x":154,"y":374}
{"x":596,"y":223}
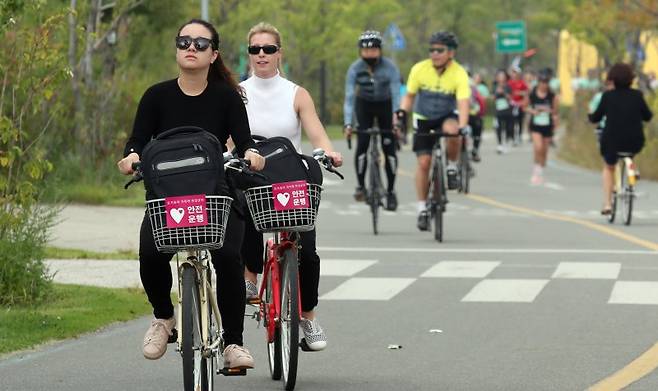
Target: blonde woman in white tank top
{"x":278,"y":107}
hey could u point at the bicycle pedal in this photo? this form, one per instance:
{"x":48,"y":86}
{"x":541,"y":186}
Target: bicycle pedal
{"x":173,"y":337}
{"x":253,"y":301}
{"x":233,"y":371}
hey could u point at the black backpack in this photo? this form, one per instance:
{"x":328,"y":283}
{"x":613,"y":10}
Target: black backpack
{"x":182,"y":161}
{"x":282,"y":164}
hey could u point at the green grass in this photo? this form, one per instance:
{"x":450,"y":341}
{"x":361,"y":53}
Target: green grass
{"x":103,"y":194}
{"x":72,"y":253}
{"x":72,"y":311}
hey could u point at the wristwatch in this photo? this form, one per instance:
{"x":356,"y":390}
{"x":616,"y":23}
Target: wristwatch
{"x":254,"y":150}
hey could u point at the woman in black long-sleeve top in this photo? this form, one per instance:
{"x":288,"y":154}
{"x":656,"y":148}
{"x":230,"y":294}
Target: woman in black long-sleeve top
{"x":206,"y":96}
{"x":624,"y":109}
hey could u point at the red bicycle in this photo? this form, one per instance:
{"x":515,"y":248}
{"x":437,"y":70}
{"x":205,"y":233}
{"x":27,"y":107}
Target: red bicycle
{"x":279,"y":299}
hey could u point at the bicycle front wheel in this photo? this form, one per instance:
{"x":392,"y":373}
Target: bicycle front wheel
{"x":374,"y":194}
{"x":195,"y":366}
{"x":438,"y":201}
{"x":289,"y":321}
{"x":464,"y":169}
{"x":626,"y":196}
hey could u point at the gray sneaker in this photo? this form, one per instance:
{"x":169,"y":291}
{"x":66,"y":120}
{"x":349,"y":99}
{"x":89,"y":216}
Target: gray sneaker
{"x":251,"y":290}
{"x":157,"y":337}
{"x":236,"y":356}
{"x":313,"y":334}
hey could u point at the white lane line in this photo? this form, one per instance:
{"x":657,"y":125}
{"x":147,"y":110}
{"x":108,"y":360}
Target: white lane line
{"x":588,"y":270}
{"x":461,"y":269}
{"x":506,"y":291}
{"x":486,"y":250}
{"x":368,"y":289}
{"x":554,"y":186}
{"x":634,"y":292}
{"x":344,"y":267}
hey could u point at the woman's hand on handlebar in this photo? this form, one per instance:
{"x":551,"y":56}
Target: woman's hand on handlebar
{"x":336,"y":158}
{"x":125,"y":164}
{"x":257,"y":161}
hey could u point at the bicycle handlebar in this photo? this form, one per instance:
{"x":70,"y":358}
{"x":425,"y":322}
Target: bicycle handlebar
{"x":369,"y":131}
{"x":325,"y":161}
{"x":441,"y":133}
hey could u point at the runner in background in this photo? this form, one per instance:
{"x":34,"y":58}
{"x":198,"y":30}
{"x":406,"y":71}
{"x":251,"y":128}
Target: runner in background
{"x":519,"y":95}
{"x":502,"y":96}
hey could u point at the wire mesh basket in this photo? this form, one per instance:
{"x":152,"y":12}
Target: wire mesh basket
{"x":266,"y":219}
{"x":207,"y":237}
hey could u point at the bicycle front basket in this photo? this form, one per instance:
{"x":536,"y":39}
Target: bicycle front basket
{"x":266,"y":219}
{"x":207,"y":237}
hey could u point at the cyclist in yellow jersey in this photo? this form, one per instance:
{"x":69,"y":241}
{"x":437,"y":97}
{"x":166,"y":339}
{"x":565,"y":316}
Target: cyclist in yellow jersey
{"x":439,"y":92}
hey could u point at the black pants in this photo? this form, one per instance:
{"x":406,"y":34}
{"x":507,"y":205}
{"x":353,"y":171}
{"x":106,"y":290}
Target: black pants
{"x":475,"y":122}
{"x":366,"y":113}
{"x":505,"y":124}
{"x":253,"y":254}
{"x":157,"y":280}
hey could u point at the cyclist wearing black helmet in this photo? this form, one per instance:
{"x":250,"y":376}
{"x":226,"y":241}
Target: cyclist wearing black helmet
{"x":372,"y":90}
{"x":439,"y":93}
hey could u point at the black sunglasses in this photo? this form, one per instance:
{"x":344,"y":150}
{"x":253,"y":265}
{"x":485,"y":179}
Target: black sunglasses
{"x":267,"y":49}
{"x":437,"y":50}
{"x":200,"y":43}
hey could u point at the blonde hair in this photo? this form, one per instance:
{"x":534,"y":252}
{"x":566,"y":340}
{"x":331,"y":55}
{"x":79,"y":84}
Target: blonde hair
{"x":264,"y":27}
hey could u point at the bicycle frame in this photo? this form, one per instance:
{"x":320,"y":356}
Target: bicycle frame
{"x":276,"y":246}
{"x":630,"y":169}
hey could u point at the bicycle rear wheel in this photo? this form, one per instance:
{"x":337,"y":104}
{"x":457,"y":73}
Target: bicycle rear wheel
{"x":273,"y":338}
{"x":289,"y":322}
{"x":437,"y":199}
{"x":626,"y":196}
{"x":195,"y":366}
{"x":374,"y":193}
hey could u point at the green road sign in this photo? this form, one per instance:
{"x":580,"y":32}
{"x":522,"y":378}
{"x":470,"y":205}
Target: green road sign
{"x":511,"y":36}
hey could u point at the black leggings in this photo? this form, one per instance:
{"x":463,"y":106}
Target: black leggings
{"x":156,"y":277}
{"x":366,"y":112}
{"x":253,"y":254}
{"x":475,"y":122}
{"x":505,"y":123}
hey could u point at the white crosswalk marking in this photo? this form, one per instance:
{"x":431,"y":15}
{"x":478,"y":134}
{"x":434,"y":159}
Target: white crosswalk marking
{"x":463,"y":269}
{"x":508,"y":291}
{"x":588,"y":270}
{"x":634,"y":292}
{"x":368,"y":289}
{"x":344,"y":267}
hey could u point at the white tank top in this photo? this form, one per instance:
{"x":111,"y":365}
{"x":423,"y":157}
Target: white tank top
{"x":271,"y":110}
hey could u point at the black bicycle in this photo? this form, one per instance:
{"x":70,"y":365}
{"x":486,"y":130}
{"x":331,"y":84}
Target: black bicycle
{"x":375,"y":192}
{"x":438,"y":197}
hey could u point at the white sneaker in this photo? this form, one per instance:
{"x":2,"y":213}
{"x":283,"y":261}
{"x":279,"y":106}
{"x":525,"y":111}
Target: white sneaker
{"x":500,"y":149}
{"x":157,"y":337}
{"x":313,"y":334}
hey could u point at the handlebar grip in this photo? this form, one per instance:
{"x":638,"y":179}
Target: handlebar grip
{"x":136,"y":166}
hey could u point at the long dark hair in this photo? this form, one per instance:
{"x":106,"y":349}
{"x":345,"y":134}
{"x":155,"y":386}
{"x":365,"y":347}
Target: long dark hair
{"x":218,"y":71}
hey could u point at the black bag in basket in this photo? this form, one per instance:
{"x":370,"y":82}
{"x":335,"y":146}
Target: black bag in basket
{"x":182,"y":161}
{"x":282,"y":164}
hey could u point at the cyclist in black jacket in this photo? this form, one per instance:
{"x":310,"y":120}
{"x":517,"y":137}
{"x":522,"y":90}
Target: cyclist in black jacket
{"x":624,"y":109}
{"x":203,"y":95}
{"x":372,"y":91}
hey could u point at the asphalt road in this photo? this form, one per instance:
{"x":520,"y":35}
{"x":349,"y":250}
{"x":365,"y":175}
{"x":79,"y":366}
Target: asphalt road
{"x":530,"y":290}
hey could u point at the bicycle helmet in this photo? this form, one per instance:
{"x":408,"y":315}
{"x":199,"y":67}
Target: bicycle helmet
{"x":444,"y":38}
{"x":370,"y":39}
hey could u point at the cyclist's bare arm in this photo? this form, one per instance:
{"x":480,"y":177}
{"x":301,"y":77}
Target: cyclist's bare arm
{"x":407,"y":102}
{"x":313,"y":127}
{"x":463,"y":108}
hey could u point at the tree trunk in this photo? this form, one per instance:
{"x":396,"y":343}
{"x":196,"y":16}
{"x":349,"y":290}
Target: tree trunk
{"x":73,"y":65}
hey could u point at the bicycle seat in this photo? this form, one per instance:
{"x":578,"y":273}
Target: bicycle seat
{"x":625,"y":154}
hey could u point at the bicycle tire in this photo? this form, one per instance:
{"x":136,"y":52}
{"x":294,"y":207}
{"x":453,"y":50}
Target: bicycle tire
{"x":274,"y":346}
{"x":626,"y":196}
{"x":374,"y":196}
{"x":438,"y":192}
{"x":289,"y":321}
{"x":213,"y":332}
{"x":195,"y":367}
{"x":465,"y":169}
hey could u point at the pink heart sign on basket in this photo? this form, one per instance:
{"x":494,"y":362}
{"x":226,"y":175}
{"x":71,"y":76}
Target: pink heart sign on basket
{"x":290,"y":195}
{"x":186,"y":211}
